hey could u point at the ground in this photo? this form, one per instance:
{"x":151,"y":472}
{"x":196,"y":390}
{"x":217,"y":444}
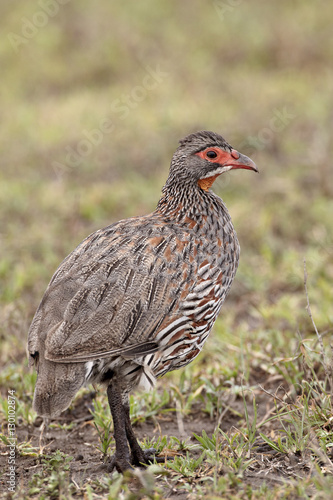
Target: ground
{"x":93,"y":101}
{"x":75,"y":436}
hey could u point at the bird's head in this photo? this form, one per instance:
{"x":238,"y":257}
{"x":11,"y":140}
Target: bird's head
{"x":203,"y":156}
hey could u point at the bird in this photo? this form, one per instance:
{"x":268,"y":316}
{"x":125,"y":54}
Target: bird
{"x":138,"y":298}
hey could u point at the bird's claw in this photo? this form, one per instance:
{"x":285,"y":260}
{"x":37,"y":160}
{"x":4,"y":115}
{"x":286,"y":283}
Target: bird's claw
{"x":121,"y":464}
{"x":146,"y":457}
{"x":151,"y":456}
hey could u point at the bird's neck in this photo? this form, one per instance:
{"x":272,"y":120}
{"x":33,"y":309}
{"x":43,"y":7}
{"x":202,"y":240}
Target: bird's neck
{"x":189,"y":204}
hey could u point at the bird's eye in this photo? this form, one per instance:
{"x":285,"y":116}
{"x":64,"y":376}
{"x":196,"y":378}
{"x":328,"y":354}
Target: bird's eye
{"x":211,"y":154}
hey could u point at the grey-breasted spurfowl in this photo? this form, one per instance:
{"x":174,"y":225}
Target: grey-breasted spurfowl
{"x":138,"y":298}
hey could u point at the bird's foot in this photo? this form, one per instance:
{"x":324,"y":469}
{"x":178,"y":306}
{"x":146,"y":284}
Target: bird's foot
{"x":146,"y":457}
{"x":120,"y":463}
{"x":139,"y":458}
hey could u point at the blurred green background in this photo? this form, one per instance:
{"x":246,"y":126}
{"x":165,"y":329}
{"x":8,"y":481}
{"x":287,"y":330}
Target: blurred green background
{"x":96,"y":95}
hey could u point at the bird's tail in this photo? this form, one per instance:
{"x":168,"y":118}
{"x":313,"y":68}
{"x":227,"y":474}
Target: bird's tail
{"x":56,"y":386}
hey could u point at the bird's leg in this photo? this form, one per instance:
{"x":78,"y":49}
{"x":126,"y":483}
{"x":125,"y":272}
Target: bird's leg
{"x":121,"y":459}
{"x":139,"y":456}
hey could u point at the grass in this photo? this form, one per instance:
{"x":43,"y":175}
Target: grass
{"x":251,"y":417}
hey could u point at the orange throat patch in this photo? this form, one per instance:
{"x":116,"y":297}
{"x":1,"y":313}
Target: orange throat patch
{"x":207,"y":182}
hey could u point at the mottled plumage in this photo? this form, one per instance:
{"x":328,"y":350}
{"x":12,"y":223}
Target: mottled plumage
{"x":138,"y":298}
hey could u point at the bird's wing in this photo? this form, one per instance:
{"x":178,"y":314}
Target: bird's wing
{"x":111,"y":295}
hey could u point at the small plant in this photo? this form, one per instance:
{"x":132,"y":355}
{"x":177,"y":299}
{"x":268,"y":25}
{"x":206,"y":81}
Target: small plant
{"x":103,"y":425}
{"x":187,"y":466}
{"x":224,"y":452}
{"x":53,"y":481}
{"x":24,"y":448}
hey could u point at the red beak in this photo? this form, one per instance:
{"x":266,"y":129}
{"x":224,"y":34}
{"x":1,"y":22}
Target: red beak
{"x":237,"y":160}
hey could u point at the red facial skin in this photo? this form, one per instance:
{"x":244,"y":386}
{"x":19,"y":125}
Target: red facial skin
{"x":232,"y":159}
{"x":222,"y":156}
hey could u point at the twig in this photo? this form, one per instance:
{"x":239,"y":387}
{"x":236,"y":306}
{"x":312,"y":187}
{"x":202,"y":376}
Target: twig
{"x":316,"y":448}
{"x":226,"y":409}
{"x":281,"y":404}
{"x":43,"y":428}
{"x":274,"y":396}
{"x":180,"y":420}
{"x":325,"y":332}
